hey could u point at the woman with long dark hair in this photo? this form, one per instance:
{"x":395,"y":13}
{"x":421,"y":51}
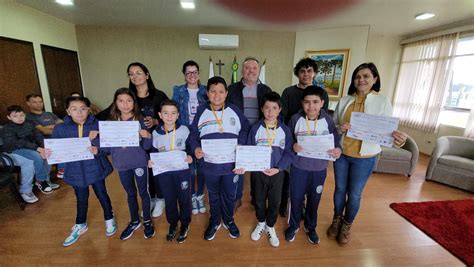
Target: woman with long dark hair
{"x":353,"y":168}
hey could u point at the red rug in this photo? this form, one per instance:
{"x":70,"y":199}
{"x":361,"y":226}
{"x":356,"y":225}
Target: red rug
{"x":450,"y":223}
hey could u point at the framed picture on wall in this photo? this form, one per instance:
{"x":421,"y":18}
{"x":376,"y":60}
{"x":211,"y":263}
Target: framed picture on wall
{"x":332,"y":69}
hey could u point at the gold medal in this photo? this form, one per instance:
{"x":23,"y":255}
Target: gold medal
{"x":219,"y":121}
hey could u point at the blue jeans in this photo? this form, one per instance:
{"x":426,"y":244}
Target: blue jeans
{"x":27,"y":172}
{"x":351,"y":176}
{"x":41,"y":166}
{"x":82,"y":198}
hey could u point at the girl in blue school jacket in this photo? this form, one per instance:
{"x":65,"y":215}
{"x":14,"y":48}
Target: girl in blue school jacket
{"x":82,"y":174}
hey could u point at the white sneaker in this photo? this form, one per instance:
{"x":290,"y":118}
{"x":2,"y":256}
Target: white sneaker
{"x":152,"y":206}
{"x":272,"y":237}
{"x":53,"y":186}
{"x":195,"y":207}
{"x":200,"y":203}
{"x":110,"y":227}
{"x":159,"y":207}
{"x":77,"y":231}
{"x":258,"y":231}
{"x":29,"y":197}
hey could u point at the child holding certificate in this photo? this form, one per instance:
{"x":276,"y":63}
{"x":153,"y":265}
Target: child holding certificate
{"x":131,"y":163}
{"x":176,"y":185}
{"x":82,"y":174}
{"x":268,"y":184}
{"x":222,"y":126}
{"x":307,"y":175}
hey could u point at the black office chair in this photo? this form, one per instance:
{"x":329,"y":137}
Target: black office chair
{"x":7,"y":177}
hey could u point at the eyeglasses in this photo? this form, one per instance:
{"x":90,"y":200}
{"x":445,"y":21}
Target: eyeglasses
{"x":79,"y":110}
{"x":138,"y":73}
{"x":194,"y":73}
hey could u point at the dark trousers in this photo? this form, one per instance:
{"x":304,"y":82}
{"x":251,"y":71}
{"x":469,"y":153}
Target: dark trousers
{"x":154,"y":188}
{"x":309,"y":183}
{"x":82,"y":198}
{"x":176,"y":189}
{"x":267,"y":188}
{"x":222,"y":190}
{"x":128,"y":178}
{"x":196,"y":176}
{"x":285,"y":192}
{"x":240,"y":187}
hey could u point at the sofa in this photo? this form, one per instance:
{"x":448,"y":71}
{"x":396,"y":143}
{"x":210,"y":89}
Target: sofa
{"x":398,"y":160}
{"x":452,"y":162}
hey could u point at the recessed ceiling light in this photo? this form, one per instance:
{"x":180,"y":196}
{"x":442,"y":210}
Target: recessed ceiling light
{"x":424,"y":16}
{"x":187,"y":4}
{"x":65,"y":2}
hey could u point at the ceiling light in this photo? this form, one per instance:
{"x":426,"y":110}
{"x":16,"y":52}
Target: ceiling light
{"x":187,"y":4}
{"x":65,"y":2}
{"x":424,"y":16}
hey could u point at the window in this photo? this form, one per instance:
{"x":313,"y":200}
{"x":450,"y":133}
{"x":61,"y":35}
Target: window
{"x":459,"y":97}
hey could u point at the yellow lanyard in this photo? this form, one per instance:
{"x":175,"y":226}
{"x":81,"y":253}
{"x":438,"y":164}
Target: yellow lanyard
{"x":271,"y":138}
{"x":307,"y":125}
{"x":173,"y":137}
{"x":219,"y":121}
{"x":80,"y":129}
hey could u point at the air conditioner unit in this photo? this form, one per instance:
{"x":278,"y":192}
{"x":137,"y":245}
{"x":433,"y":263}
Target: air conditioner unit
{"x":218,"y":41}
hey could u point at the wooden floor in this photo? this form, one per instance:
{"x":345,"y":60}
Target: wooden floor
{"x":380,"y":236}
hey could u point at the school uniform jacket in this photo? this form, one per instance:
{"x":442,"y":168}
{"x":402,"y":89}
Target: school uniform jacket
{"x":282,"y":147}
{"x":205,"y":126}
{"x":85,"y":172}
{"x":324,"y":126}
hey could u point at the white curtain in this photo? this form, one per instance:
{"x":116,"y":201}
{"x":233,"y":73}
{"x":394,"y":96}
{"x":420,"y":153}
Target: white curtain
{"x":425,"y":74}
{"x":469,"y":132}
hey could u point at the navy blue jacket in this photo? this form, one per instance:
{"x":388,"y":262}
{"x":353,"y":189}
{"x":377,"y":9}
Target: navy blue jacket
{"x":85,"y":172}
{"x":282,"y":148}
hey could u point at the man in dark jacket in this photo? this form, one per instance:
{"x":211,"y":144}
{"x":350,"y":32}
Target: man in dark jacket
{"x":247,"y":94}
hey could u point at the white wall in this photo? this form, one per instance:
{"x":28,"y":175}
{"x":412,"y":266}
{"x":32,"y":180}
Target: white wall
{"x":24,"y":23}
{"x":353,"y":38}
{"x":385,"y":52}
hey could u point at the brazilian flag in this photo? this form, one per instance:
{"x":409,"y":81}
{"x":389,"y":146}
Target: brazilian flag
{"x":235,"y":67}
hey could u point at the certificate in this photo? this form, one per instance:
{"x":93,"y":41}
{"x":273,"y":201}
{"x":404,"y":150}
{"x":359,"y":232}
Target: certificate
{"x":169,"y":161}
{"x":316,"y":146}
{"x":219,"y":151}
{"x":374,"y":129}
{"x":68,"y":149}
{"x":253,"y":158}
{"x":119,"y":133}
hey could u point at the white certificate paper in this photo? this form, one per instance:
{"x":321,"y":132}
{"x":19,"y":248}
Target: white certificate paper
{"x":219,"y":151}
{"x":169,"y":161}
{"x":316,"y":146}
{"x":68,"y":149}
{"x":119,"y":133}
{"x":253,"y":158}
{"x":374,"y":129}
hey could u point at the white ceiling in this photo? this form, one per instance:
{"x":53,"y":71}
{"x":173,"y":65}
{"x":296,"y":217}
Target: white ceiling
{"x":388,"y":17}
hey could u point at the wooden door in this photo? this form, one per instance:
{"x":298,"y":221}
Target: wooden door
{"x":63,"y":74}
{"x":18,"y":75}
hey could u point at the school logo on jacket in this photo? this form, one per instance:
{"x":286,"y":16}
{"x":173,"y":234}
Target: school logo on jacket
{"x":319,"y":189}
{"x":232,"y":121}
{"x":139,"y":172}
{"x":179,"y":142}
{"x":184,"y":185}
{"x":282,"y":143}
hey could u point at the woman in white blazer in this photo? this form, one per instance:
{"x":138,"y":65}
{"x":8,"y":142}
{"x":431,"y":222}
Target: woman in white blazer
{"x":353,"y":168}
